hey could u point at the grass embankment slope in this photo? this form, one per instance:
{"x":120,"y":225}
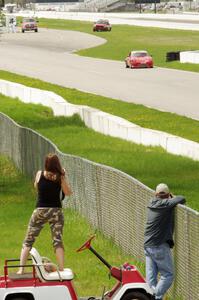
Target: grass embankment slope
{"x":150,"y":165}
{"x":124,"y":38}
{"x":17,"y":201}
{"x":138,"y":114}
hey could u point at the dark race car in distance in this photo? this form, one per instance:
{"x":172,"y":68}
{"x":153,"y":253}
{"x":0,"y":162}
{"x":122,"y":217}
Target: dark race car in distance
{"x":102,"y":25}
{"x":139,"y":59}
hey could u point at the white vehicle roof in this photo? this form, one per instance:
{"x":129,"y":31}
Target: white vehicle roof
{"x":103,"y":21}
{"x":139,"y":51}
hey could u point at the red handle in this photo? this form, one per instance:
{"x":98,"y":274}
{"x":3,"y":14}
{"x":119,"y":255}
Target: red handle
{"x":86,"y":245}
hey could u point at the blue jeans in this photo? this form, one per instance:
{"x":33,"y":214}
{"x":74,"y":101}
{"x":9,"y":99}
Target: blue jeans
{"x":159,"y":260}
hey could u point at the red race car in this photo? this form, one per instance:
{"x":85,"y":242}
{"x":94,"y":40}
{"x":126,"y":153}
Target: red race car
{"x":139,"y":59}
{"x":29,"y":24}
{"x":102,"y":25}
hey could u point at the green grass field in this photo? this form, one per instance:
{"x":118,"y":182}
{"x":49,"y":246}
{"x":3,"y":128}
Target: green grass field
{"x":17,"y":201}
{"x":124,"y":38}
{"x":150,"y":165}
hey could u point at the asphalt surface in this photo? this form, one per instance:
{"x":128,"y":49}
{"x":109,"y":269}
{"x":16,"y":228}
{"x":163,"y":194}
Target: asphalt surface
{"x":47,"y":55}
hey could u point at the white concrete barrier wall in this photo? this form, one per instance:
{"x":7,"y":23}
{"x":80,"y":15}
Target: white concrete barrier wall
{"x":102,"y":122}
{"x":189,"y":57}
{"x":184,"y":147}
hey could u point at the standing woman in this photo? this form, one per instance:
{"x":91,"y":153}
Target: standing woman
{"x":49,"y":184}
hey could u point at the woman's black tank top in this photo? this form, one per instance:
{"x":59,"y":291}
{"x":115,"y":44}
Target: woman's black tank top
{"x":48,"y":193}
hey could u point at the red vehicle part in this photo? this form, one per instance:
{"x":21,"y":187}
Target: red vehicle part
{"x":127,"y":275}
{"x":30,"y":287}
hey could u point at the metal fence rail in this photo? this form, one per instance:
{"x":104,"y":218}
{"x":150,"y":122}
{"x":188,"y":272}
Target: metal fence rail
{"x":111,"y":200}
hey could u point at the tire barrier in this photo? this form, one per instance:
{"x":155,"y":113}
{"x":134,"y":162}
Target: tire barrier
{"x":171,"y":56}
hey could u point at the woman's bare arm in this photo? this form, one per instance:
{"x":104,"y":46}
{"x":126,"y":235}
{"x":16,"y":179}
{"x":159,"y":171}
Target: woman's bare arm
{"x":65,"y":187}
{"x":37,"y":178}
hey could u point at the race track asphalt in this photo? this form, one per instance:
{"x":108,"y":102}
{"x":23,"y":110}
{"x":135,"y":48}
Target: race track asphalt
{"x":48,"y":55}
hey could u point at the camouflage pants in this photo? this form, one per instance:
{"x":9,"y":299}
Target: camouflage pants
{"x":40,"y":216}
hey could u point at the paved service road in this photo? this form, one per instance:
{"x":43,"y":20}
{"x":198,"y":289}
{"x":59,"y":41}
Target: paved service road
{"x":47,"y":55}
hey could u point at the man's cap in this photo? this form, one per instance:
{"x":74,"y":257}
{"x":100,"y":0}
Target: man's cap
{"x":162,"y":188}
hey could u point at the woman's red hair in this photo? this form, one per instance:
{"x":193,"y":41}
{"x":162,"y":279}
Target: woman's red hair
{"x":52,"y":164}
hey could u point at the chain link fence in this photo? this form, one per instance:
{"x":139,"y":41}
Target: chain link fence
{"x":111,"y":200}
